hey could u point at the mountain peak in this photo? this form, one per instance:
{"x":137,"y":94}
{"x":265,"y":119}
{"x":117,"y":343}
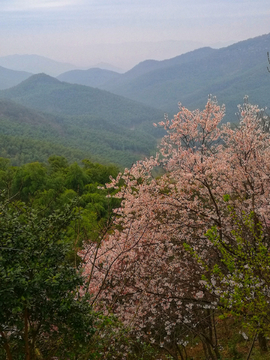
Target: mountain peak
{"x":41,"y":78}
{"x":34,"y":83}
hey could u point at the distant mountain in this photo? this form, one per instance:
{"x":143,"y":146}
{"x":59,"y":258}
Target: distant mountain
{"x":113,"y":81}
{"x":94,"y":77}
{"x":106,"y":66}
{"x":10,"y":78}
{"x":148,"y":66}
{"x":45,"y":93}
{"x":127,"y":54}
{"x":35,"y":64}
{"x":230,"y":73}
{"x":96,"y":123}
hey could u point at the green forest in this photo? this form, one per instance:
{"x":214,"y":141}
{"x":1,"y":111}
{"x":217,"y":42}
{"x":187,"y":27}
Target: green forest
{"x":44,"y":208}
{"x":74,"y":121}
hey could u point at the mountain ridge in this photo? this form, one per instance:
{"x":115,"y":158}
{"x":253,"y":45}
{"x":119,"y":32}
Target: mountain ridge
{"x":91,"y":121}
{"x":230,"y":67}
{"x":35,"y":64}
{"x":45,"y":93}
{"x":93,"y":77}
{"x":10,"y":78}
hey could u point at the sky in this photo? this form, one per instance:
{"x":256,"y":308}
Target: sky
{"x":124,"y":32}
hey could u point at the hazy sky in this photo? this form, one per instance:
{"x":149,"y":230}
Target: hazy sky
{"x":83,"y":31}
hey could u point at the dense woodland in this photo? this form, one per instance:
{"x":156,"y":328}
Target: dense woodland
{"x":31,"y":135}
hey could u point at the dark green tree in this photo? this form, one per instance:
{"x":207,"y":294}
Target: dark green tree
{"x":43,"y":313}
{"x":29,"y":179}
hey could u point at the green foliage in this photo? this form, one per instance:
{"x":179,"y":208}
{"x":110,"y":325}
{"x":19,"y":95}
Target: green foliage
{"x":112,"y":340}
{"x":42,"y":310}
{"x":46,"y":212}
{"x":242,"y":279}
{"x":51,"y":186}
{"x":21,"y":149}
{"x":29,"y":179}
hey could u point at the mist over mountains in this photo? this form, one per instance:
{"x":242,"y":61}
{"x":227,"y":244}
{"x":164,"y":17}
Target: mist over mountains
{"x":9,"y":78}
{"x":94,"y":77}
{"x":229,"y":73}
{"x":108,"y":115}
{"x":34,"y":64}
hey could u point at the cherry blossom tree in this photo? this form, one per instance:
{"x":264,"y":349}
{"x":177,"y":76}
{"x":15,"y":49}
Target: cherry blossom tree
{"x":149,"y":270}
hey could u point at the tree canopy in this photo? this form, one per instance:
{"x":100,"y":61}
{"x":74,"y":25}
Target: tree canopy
{"x":42,"y":309}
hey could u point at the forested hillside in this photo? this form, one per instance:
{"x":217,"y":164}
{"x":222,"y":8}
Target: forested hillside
{"x":78,"y":121}
{"x":230,"y":73}
{"x":46,"y":93}
{"x":88,"y":77}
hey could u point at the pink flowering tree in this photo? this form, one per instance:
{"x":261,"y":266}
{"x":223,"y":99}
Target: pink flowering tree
{"x":149,"y":270}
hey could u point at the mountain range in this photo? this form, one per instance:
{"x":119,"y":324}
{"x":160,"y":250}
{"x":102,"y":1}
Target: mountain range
{"x":34,"y":64}
{"x":108,"y":116}
{"x":229,"y":73}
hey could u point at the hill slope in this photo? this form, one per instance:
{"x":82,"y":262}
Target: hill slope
{"x":10,"y":78}
{"x":42,"y":92}
{"x":110,"y":80}
{"x":229,"y":73}
{"x":149,"y":66}
{"x":86,"y":122}
{"x":93,"y":77}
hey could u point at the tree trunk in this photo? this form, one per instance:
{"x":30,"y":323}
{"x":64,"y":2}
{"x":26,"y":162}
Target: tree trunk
{"x":262,"y":342}
{"x":252,"y":345}
{"x":6,"y":346}
{"x":26,"y":340}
